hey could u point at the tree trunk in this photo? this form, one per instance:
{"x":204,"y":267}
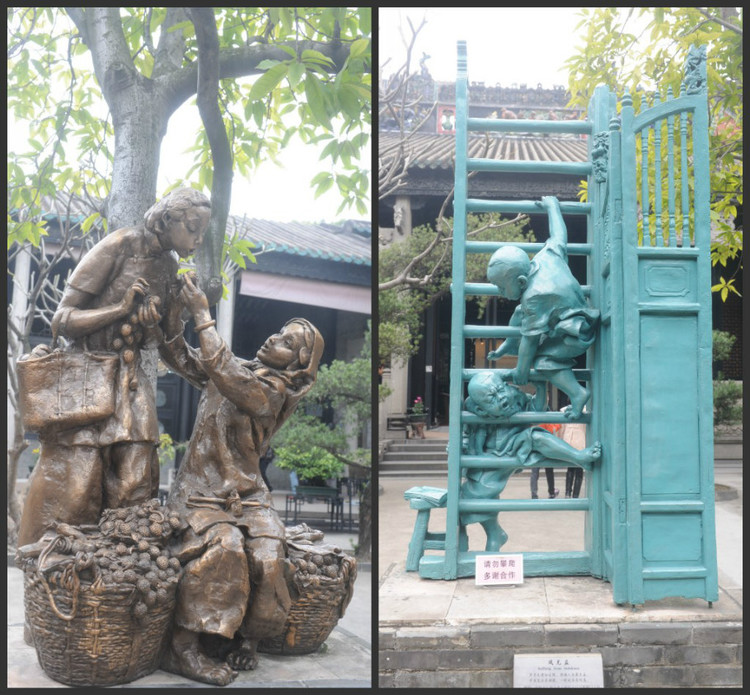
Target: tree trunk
{"x":140,"y":125}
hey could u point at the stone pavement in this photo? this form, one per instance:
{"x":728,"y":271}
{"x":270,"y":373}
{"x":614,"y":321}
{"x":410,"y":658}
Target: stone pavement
{"x":344,"y":660}
{"x":404,"y":599}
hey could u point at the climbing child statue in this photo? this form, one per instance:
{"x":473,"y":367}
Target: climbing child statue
{"x":556,"y":323}
{"x":490,"y":396}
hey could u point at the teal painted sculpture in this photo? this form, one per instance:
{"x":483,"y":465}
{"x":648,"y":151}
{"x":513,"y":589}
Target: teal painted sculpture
{"x":556,"y":323}
{"x":491,"y":397}
{"x":645,"y":388}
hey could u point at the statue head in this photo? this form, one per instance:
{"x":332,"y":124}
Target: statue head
{"x":508,"y":270}
{"x":297,"y":347}
{"x":491,"y":396}
{"x":180,"y":219}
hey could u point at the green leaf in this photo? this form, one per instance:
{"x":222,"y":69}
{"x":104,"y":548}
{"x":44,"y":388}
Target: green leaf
{"x":359,"y":48}
{"x":89,"y":221}
{"x":186,"y":27}
{"x":349,"y":101}
{"x":316,"y":58}
{"x":295,"y":73}
{"x":316,"y":100}
{"x":266,"y":83}
{"x":259,"y":112}
{"x":268,"y":63}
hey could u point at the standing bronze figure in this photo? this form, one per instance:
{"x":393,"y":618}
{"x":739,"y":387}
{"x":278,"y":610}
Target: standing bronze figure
{"x":111,"y":306}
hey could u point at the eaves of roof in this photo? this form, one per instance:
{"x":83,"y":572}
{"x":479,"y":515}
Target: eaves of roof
{"x":343,"y":243}
{"x":437,"y":151}
{"x":347,"y":242}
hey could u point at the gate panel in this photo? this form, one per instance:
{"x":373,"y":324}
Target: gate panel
{"x":671,"y":539}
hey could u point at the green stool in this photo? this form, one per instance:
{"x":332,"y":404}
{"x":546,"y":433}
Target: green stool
{"x":424,"y":499}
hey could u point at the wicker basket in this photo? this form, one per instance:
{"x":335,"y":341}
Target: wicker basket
{"x":319,"y":600}
{"x":99,"y":641}
{"x":91,"y":622}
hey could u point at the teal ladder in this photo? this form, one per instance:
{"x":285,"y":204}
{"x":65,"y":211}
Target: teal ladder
{"x":649,"y":522}
{"x":457,"y":560}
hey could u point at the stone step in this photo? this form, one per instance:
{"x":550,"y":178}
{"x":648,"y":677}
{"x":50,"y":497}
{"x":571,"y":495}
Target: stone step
{"x":413,"y":471}
{"x":728,"y":450}
{"x":419,"y":446}
{"x":414,"y":456}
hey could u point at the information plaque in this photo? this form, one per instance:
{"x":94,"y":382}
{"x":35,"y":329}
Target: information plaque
{"x":558,"y":671}
{"x":499,"y":569}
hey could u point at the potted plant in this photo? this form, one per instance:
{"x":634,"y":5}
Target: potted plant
{"x":418,"y":417}
{"x":314,"y":466}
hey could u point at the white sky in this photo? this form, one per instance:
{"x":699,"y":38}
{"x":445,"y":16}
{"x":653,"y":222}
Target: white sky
{"x":278,"y":193}
{"x":504,"y":45}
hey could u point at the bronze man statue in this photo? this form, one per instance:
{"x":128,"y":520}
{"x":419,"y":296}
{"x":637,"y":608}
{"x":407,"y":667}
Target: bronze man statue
{"x":233,"y":544}
{"x":112,"y":303}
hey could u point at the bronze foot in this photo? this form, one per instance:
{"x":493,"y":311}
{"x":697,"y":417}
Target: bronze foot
{"x":190,"y":662}
{"x":245,"y":657}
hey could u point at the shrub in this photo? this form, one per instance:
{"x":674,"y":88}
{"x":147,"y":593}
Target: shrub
{"x":727,"y":403}
{"x":309,"y":464}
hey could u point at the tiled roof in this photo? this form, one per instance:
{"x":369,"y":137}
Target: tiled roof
{"x":432,"y":151}
{"x":349,"y":242}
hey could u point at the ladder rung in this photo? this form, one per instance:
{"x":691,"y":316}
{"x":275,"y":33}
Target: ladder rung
{"x":525,"y":206}
{"x":491,"y":332}
{"x":529,"y":126}
{"x":501,"y":505}
{"x":513,"y":166}
{"x":580,"y":374}
{"x":685,"y":572}
{"x":529,"y":247}
{"x":549,"y":417}
{"x":487,"y":289}
{"x":494,"y":462}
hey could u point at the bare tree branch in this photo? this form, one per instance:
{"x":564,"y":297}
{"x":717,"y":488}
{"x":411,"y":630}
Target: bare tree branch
{"x":208,"y":257}
{"x":712,"y":17}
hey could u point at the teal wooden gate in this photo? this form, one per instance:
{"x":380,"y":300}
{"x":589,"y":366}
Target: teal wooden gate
{"x":649,"y":526}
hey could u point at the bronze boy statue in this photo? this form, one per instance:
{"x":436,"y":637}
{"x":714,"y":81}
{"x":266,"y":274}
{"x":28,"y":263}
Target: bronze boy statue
{"x":112,"y":302}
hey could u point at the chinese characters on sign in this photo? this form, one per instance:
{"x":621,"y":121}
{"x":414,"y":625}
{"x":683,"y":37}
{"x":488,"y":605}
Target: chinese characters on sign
{"x":499,"y":569}
{"x":558,"y":671}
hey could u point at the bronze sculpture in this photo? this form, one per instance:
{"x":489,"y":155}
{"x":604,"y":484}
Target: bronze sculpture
{"x":233,"y":542}
{"x":215,"y":566}
{"x":111,"y":305}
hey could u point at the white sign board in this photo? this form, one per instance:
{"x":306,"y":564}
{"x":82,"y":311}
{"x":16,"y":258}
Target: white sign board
{"x":499,"y":569}
{"x":558,"y":671}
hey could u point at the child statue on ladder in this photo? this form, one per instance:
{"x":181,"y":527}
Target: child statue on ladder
{"x":556,"y":323}
{"x":491,"y":397}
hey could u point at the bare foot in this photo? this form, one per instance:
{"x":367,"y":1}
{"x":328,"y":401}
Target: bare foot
{"x":574,"y":411}
{"x":244,"y":658}
{"x":590,"y":455}
{"x":189,"y":661}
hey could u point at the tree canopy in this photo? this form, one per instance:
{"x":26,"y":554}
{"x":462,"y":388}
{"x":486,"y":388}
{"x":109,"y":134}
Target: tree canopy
{"x":95,"y":88}
{"x":640,"y":50}
{"x":426,"y":256}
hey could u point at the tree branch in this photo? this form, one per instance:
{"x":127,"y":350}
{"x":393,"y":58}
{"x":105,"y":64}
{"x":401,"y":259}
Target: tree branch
{"x":101,"y":30}
{"x":208,"y":257}
{"x":243,"y":61}
{"x":727,"y":25}
{"x":171,"y":46}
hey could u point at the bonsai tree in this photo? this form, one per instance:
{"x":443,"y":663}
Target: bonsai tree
{"x":313,"y":466}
